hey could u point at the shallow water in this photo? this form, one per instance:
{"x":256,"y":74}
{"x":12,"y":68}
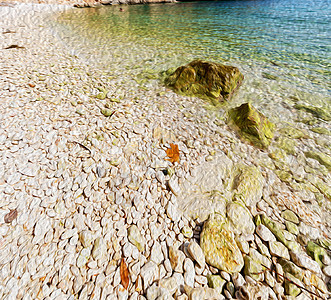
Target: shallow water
{"x":281,"y":46}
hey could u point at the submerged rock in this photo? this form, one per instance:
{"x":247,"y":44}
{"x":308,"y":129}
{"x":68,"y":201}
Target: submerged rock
{"x":219,"y":246}
{"x":322,"y":158}
{"x":252,"y":125}
{"x":315,"y":111}
{"x":207,"y":80}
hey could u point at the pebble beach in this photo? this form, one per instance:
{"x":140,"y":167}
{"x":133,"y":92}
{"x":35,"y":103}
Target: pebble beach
{"x":91,"y":207}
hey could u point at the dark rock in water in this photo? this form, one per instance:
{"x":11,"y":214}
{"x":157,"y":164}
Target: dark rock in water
{"x":207,"y":80}
{"x":252,"y":125}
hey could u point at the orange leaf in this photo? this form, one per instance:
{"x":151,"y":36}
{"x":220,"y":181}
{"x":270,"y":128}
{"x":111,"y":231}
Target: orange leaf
{"x":124,"y":274}
{"x":173,"y":153}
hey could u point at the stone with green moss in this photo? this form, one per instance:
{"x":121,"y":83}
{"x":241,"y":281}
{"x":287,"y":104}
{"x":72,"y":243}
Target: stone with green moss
{"x":292,"y":228}
{"x":318,"y":112}
{"x":252,"y":125}
{"x":290,"y":267}
{"x":206,"y":80}
{"x":321,"y":130}
{"x":292,"y":289}
{"x":220,"y":249}
{"x":292,"y":132}
{"x":290,"y":216}
{"x":279,"y":233}
{"x":287,"y":144}
{"x":316,"y":252}
{"x":107,"y":112}
{"x":284,"y":175}
{"x":216,"y":282}
{"x":253,"y":268}
{"x":322,"y":158}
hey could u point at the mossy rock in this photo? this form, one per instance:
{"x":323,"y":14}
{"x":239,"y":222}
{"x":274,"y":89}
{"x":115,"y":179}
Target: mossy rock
{"x":206,"y":80}
{"x":315,"y":111}
{"x":252,"y":125}
{"x":316,"y":252}
{"x":322,"y":158}
{"x":220,"y":249}
{"x":287,"y":144}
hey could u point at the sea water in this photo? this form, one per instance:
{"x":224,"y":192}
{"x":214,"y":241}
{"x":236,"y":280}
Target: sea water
{"x":281,"y":46}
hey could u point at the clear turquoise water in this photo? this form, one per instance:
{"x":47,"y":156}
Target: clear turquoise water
{"x":281,"y":46}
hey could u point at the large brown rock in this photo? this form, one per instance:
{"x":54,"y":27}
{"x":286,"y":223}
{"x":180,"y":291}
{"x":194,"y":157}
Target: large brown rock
{"x":206,"y":80}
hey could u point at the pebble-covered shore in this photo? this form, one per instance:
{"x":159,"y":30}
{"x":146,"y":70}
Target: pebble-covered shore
{"x":85,"y":187}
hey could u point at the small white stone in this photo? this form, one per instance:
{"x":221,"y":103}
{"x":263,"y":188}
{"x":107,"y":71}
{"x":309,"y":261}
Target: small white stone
{"x":327,"y":270}
{"x":264,"y":233}
{"x":302,"y":260}
{"x":149,"y":273}
{"x":156,"y":253}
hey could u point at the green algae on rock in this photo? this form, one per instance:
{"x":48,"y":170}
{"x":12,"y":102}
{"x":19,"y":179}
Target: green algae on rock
{"x":252,"y":125}
{"x":316,"y":252}
{"x":316,"y":111}
{"x":220,"y":249}
{"x":322,"y":158}
{"x":206,"y":80}
{"x":253,"y":268}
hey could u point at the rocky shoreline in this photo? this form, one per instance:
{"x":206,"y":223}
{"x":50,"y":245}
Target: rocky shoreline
{"x":92,"y":208}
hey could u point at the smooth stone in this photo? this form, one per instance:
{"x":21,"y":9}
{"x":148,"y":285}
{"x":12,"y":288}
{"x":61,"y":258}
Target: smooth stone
{"x":171,"y":284}
{"x":173,"y":212}
{"x":264,"y":233}
{"x":177,"y":258}
{"x":83,"y":257}
{"x":238,"y":280}
{"x":187,"y":231}
{"x":135,"y":238}
{"x":99,"y":248}
{"x":149,"y":273}
{"x":278,"y":249}
{"x":174,"y":186}
{"x":204,"y":293}
{"x":242,"y":244}
{"x":241,"y":219}
{"x":196,"y":252}
{"x":156,"y":253}
{"x":304,"y":261}
{"x":289,"y":215}
{"x":327,"y":270}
